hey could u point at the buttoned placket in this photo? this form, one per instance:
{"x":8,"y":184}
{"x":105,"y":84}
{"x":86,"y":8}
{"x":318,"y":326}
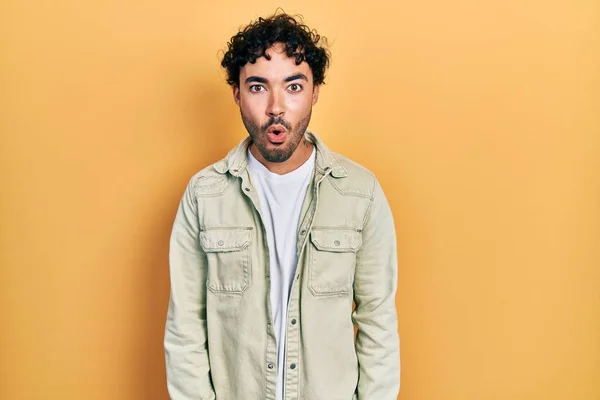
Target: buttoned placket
{"x":271,"y":349}
{"x":292,"y":332}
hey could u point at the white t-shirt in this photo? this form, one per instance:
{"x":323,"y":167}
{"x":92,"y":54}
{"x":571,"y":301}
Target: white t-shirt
{"x":281,"y":198}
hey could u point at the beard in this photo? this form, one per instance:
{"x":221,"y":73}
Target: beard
{"x":283,"y":152}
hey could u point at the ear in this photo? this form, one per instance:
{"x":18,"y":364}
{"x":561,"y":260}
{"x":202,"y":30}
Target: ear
{"x":315,"y":94}
{"x":236,"y":94}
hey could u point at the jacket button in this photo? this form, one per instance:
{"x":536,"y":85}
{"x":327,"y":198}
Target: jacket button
{"x":337,"y":242}
{"x":220,"y":243}
{"x":293,"y":366}
{"x":270,"y":366}
{"x":294,"y":321}
{"x":303,"y":231}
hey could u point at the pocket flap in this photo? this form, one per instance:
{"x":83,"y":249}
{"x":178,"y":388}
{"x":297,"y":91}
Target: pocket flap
{"x":224,"y":240}
{"x":336,"y":240}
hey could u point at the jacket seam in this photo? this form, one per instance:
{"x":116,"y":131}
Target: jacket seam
{"x":349,"y":193}
{"x":216,"y":194}
{"x":372,"y":198}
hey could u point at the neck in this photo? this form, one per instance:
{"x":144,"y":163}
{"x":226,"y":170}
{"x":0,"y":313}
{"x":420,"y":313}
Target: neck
{"x":298,"y":157}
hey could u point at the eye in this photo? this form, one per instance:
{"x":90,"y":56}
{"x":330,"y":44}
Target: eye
{"x":295,"y":87}
{"x":257,"y":88}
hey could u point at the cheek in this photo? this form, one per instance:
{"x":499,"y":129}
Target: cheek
{"x":250,"y":107}
{"x":299,"y":105}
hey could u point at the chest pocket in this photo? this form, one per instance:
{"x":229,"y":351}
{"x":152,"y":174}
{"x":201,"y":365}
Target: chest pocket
{"x":332,"y":260}
{"x":229,"y":258}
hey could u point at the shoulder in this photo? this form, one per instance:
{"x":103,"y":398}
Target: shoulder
{"x":358,"y":180}
{"x":208,"y":181}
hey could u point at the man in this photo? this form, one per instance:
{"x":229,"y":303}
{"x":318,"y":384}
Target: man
{"x":273,"y":244}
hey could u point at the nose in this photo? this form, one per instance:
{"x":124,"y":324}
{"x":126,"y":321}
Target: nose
{"x":276,"y":107}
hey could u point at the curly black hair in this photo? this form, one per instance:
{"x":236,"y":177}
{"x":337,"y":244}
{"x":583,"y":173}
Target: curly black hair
{"x":300,"y":42}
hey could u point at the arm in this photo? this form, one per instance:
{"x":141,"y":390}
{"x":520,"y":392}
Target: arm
{"x":375,"y":281}
{"x":186,"y":348}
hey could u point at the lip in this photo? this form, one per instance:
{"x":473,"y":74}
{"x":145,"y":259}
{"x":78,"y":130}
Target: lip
{"x":276,"y":138}
{"x":279,"y":128}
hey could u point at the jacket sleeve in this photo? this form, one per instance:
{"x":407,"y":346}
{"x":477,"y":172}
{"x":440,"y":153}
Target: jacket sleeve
{"x":375,"y":282}
{"x":186,"y":347}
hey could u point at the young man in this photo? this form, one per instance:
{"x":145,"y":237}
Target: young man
{"x":273,"y":244}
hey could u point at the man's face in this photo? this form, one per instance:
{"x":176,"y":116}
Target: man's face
{"x":275,"y":98}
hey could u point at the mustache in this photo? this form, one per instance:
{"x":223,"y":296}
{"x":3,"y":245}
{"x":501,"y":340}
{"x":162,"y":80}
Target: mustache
{"x":276,"y":121}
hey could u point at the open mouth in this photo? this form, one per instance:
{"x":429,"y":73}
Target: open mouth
{"x":276,"y":134}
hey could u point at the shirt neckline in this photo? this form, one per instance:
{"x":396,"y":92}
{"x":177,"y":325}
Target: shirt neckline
{"x":297,"y":174}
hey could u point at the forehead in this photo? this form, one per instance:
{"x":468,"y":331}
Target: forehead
{"x":279,"y":67}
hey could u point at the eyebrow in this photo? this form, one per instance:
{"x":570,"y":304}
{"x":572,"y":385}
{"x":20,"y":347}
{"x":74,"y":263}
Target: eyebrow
{"x":256,"y":79}
{"x":295,"y":77}
{"x":259,"y":79}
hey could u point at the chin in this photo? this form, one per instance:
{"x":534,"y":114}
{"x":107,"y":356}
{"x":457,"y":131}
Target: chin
{"x":277,"y":155}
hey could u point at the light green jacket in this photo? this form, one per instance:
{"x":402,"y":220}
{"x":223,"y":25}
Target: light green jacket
{"x":219,"y":339}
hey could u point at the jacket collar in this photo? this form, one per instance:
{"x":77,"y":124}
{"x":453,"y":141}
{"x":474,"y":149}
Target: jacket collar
{"x":236,"y":160}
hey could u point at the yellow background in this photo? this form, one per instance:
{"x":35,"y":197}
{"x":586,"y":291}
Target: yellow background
{"x":481,"y":119}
